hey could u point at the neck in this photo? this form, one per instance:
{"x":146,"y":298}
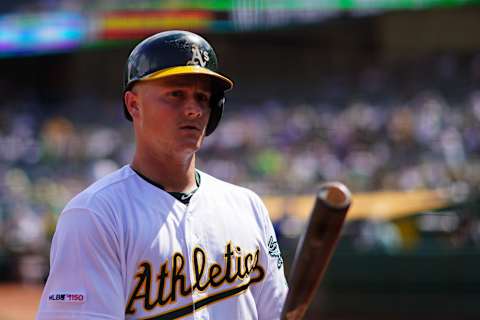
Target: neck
{"x":175,"y":175}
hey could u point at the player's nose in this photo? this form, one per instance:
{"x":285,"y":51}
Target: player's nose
{"x":193,"y":109}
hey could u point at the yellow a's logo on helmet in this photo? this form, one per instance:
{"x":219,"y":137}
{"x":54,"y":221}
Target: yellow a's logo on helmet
{"x":199,"y":57}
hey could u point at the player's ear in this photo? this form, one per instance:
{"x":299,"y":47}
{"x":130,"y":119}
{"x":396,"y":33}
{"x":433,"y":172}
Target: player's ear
{"x":130,"y":99}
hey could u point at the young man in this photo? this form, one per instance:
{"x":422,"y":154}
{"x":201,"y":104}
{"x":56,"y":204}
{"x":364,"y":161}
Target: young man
{"x":159,"y":239}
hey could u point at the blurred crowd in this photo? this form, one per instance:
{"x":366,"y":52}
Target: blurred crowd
{"x":401,"y":127}
{"x":395,"y":127}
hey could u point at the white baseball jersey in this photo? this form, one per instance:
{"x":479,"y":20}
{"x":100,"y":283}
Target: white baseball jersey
{"x":126,"y":249}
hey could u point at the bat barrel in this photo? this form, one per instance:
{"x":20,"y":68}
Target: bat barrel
{"x":316,"y":247}
{"x":335,"y":195}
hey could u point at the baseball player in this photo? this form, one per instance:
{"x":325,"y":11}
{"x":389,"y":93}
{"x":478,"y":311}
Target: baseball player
{"x":159,"y":239}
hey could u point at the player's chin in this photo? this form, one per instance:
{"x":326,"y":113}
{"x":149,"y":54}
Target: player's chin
{"x":192,"y":143}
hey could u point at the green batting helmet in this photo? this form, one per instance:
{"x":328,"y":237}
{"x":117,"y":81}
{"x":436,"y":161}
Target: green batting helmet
{"x":173,"y":53}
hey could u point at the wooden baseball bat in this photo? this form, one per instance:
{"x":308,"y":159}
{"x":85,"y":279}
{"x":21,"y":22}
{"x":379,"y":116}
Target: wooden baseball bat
{"x":316,"y":247}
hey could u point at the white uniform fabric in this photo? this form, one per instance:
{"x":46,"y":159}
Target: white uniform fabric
{"x":126,"y":249}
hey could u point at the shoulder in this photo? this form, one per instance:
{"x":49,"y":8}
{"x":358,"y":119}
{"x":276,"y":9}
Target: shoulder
{"x":103,"y":192}
{"x":91,"y":215}
{"x":222,"y":189}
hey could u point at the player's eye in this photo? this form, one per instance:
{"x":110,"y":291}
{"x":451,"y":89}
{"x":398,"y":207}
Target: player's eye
{"x":202,"y":97}
{"x":176,"y":93}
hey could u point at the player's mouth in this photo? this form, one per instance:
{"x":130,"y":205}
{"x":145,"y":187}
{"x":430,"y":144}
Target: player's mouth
{"x":191,"y":127}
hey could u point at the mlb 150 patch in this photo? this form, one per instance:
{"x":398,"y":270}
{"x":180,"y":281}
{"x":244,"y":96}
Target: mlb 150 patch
{"x":67,"y":297}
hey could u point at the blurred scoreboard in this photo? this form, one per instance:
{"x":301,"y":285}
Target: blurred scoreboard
{"x":25,"y":33}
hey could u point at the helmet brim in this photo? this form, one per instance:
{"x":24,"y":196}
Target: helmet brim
{"x":223,"y":82}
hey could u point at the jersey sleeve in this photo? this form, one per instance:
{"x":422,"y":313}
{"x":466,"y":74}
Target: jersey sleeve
{"x":85,"y":279}
{"x":274,"y":288}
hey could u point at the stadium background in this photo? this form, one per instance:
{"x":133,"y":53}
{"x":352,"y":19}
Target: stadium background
{"x":381,"y":95}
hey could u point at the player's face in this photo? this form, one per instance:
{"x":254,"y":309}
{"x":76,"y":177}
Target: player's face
{"x":171,"y":114}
